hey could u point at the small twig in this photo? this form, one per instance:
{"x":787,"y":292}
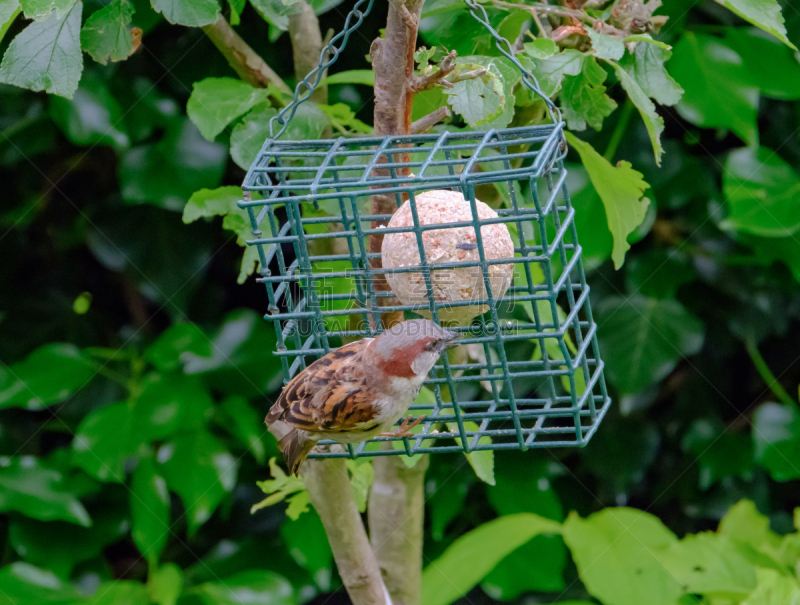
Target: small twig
{"x":427,"y":122}
{"x":426,"y":82}
{"x":766,"y":374}
{"x":245,"y":62}
{"x":565,"y":31}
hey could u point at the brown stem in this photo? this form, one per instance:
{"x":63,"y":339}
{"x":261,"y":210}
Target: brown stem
{"x":245,"y":62}
{"x":395,"y":506}
{"x":447,"y":65}
{"x":427,"y":122}
{"x":396,"y":511}
{"x":393,"y":64}
{"x":329,"y":490}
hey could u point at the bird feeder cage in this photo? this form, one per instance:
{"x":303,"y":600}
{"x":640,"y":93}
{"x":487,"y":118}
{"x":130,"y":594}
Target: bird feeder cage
{"x":530,"y":374}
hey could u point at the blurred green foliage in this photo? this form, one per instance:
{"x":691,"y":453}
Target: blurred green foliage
{"x":135,"y":367}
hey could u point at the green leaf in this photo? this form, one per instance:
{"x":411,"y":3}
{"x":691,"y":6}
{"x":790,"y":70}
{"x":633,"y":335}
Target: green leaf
{"x":744,"y":524}
{"x":776,"y":433}
{"x":40,"y":10}
{"x":149,"y":511}
{"x":50,"y":374}
{"x":550,"y":71}
{"x":106,"y":35}
{"x":244,"y":231}
{"x":282,"y":487}
{"x":8,"y":10}
{"x":105,"y":439}
{"x":458,"y":569}
{"x":774,"y":589}
{"x":541,"y":48}
{"x":709,"y":564}
{"x":761,"y":190}
{"x":644,"y":338}
{"x":274,"y":12}
{"x":23,"y":583}
{"x":584,"y":99}
{"x":615,"y":551}
{"x":621,"y":189}
{"x":248,"y":136}
{"x":120,"y":592}
{"x":201,"y":471}
{"x":166,"y":352}
{"x":108,"y":436}
{"x":623,"y":453}
{"x":672,"y":268}
{"x":30,"y":488}
{"x":193,"y":13}
{"x":362,"y":474}
{"x":764,"y":14}
{"x":165,"y":584}
{"x":719,"y":452}
{"x":770,"y":65}
{"x":244,"y":423}
{"x":479,"y":100}
{"x":206,"y":203}
{"x":167,"y":173}
{"x":255,"y":587}
{"x":647,"y":39}
{"x":605,"y":46}
{"x":717,"y":93}
{"x":482,"y":462}
{"x":523,"y":485}
{"x":46,"y":55}
{"x":216,"y":102}
{"x":60,"y":546}
{"x":309,"y":547}
{"x":652,"y":121}
{"x":92,"y":116}
{"x":237,"y":7}
{"x":353,"y":76}
{"x":242,"y":362}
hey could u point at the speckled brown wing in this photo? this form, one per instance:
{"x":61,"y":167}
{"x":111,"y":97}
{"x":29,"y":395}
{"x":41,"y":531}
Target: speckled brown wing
{"x":328,"y":396}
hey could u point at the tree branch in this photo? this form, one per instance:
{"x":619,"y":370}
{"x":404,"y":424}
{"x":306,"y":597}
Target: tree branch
{"x":329,"y":490}
{"x":245,"y":62}
{"x":306,"y":46}
{"x":427,"y":122}
{"x":447,"y":65}
{"x":396,"y":514}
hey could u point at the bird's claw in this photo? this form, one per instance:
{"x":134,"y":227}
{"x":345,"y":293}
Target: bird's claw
{"x":404,"y":430}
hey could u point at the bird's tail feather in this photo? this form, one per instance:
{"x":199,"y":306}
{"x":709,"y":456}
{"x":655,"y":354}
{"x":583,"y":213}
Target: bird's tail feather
{"x":294,"y":444}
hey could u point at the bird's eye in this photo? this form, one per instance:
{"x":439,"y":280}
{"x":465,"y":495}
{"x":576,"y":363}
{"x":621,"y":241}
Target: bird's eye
{"x":431,"y":346}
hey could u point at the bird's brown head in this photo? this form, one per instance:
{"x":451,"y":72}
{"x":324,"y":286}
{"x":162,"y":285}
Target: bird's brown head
{"x":410,"y":349}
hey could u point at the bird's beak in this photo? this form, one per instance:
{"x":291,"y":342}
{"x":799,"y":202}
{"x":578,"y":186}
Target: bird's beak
{"x":453,"y":340}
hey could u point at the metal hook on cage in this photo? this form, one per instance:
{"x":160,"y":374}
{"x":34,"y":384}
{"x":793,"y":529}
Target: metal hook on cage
{"x":327,"y":57}
{"x":504,"y":46}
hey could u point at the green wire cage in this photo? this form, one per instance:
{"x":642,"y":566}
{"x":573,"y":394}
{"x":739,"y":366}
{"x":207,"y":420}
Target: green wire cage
{"x":533,"y":376}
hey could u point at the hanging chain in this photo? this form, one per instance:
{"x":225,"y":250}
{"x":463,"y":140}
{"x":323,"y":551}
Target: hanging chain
{"x":327,"y":57}
{"x":331,"y":52}
{"x":504,"y":46}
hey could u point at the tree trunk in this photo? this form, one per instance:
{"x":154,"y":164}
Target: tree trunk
{"x":396,"y":502}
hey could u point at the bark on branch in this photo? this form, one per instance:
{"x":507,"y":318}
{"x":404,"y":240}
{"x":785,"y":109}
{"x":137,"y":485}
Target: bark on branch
{"x":396,"y":514}
{"x":427,"y":122}
{"x":245,"y":62}
{"x":306,"y":46}
{"x":329,"y":490}
{"x":426,"y":82}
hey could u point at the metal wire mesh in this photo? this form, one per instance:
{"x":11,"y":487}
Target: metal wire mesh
{"x":533,"y":377}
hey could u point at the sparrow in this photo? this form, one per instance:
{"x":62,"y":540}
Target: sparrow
{"x":358,"y":391}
